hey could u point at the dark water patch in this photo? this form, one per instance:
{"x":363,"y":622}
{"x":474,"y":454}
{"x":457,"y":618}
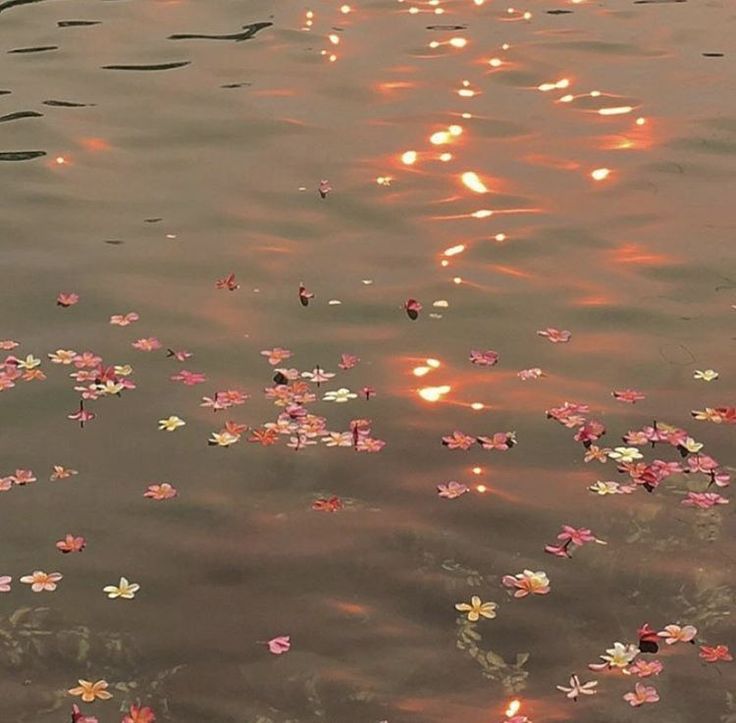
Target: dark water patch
{"x":657,"y":2}
{"x":236,"y":85}
{"x":20,"y":114}
{"x":5,"y":92}
{"x":37,"y":49}
{"x":447,"y":27}
{"x":67,"y":104}
{"x":152,"y":220}
{"x":559,"y":12}
{"x":713,"y":55}
{"x":155,"y":66}
{"x":20,"y":155}
{"x":248,"y":32}
{"x":114,"y":242}
{"x":77,"y":23}
{"x":16,"y":3}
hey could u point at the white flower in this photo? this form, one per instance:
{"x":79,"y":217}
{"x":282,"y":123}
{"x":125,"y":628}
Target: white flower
{"x":124,"y":589}
{"x":339,"y":396}
{"x":577,"y":688}
{"x":625,"y":454}
{"x":620,"y":655}
{"x":609,"y":488}
{"x":707,"y":376}
{"x":338,"y":439}
{"x":171,"y":424}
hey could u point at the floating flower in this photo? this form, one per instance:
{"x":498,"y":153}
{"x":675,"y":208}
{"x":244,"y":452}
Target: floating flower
{"x":676,"y":634}
{"x":318,"y":375}
{"x":139,"y":714}
{"x":79,"y":717}
{"x":30,"y":362}
{"x":644,"y":668}
{"x":5,"y":581}
{"x":452,"y":489}
{"x":527,"y":582}
{"x":276,"y":355}
{"x":484,"y":358}
{"x":23,"y":477}
{"x":279,"y":645}
{"x":163,"y":491}
{"x":189,"y":378}
{"x":330,"y":504}
{"x":458,"y":440}
{"x":70,"y":543}
{"x":641,"y":694}
{"x":8,"y":344}
{"x":91,"y":691}
{"x":630,"y":396}
{"x":223,"y":439}
{"x":339,"y":396}
{"x":149,"y":344}
{"x":533,"y":373}
{"x":412,"y":308}
{"x":619,"y":656}
{"x":180,"y":356}
{"x":123,"y":589}
{"x":716,"y":653}
{"x":477,"y":609}
{"x":500,"y":441}
{"x":170,"y":424}
{"x":704,"y":500}
{"x":555,"y":335}
{"x":62,"y":356}
{"x":65,"y":300}
{"x":124,"y":319}
{"x":41,"y":581}
{"x":576,"y":688}
{"x":708,"y":375}
{"x":596,"y":453}
{"x":625,"y":454}
{"x":348,"y":361}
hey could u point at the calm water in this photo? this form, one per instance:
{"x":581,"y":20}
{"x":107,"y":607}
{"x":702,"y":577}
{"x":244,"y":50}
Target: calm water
{"x":158,"y":182}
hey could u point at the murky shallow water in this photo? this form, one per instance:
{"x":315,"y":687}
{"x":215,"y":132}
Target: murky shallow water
{"x":637,"y":266}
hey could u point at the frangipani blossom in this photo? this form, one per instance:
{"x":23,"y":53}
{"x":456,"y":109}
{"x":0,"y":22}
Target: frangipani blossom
{"x":708,"y":375}
{"x":79,"y":717}
{"x":5,"y":581}
{"x":527,"y":582}
{"x":63,"y":356}
{"x":124,"y":319}
{"x":276,"y":355}
{"x":625,"y":454}
{"x":452,"y":489}
{"x":41,"y":581}
{"x":676,"y":634}
{"x":458,"y":440}
{"x":348,"y":361}
{"x":64,"y":299}
{"x":619,"y":656}
{"x":318,"y":375}
{"x":123,"y":589}
{"x":279,"y":645}
{"x":630,"y":396}
{"x":70,"y":543}
{"x":170,"y":424}
{"x":714,"y":654}
{"x":91,"y":691}
{"x":149,"y":344}
{"x":484,"y":358}
{"x":163,"y":491}
{"x":704,"y":500}
{"x":527,"y":374}
{"x":139,"y":714}
{"x":477,"y":609}
{"x":555,"y":335}
{"x":644,"y":668}
{"x":339,"y":396}
{"x":223,"y":439}
{"x":642,"y":694}
{"x":576,"y":688}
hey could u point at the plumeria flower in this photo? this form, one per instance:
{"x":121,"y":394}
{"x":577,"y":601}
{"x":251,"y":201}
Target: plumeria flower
{"x":62,"y":356}
{"x":180,"y":356}
{"x":708,"y":415}
{"x":23,"y":477}
{"x":279,"y":645}
{"x":124,"y":319}
{"x":70,"y":543}
{"x":555,"y":335}
{"x":123,"y":589}
{"x":452,"y":489}
{"x":477,"y":609}
{"x":596,"y":453}
{"x":171,"y":424}
{"x":30,"y":362}
{"x":139,"y":714}
{"x":708,"y":375}
{"x":223,"y":439}
{"x":79,"y":717}
{"x":625,"y":454}
{"x":87,"y":360}
{"x":163,"y":491}
{"x":123,"y":370}
{"x":318,"y":375}
{"x":714,"y":654}
{"x":619,"y":656}
{"x":339,"y":396}
{"x":641,"y":694}
{"x":690,"y":445}
{"x":149,"y":344}
{"x":704,"y":500}
{"x":576,"y":688}
{"x":348,"y":361}
{"x":630,"y":396}
{"x":533,"y":373}
{"x":41,"y":581}
{"x":484,"y":358}
{"x":189,"y":378}
{"x":458,"y":440}
{"x":330,"y":504}
{"x":527,"y":582}
{"x":64,"y":299}
{"x":643,"y":668}
{"x":91,"y":691}
{"x":412,"y":308}
{"x":276,"y":355}
{"x":8,"y":344}
{"x":369,"y":444}
{"x":5,"y":581}
{"x":676,"y":634}
{"x":338,"y":439}
{"x":500,"y":441}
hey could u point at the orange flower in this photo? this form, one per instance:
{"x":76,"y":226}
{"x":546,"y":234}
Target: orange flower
{"x":139,"y":714}
{"x":91,"y":691}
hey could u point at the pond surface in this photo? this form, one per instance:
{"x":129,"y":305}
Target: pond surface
{"x":556,"y":165}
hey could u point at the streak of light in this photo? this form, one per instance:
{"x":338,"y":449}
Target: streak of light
{"x":618,"y":110}
{"x":600,"y":174}
{"x":477,"y":470}
{"x":345,"y":9}
{"x":556,"y":85}
{"x":444,"y":157}
{"x":511,"y":271}
{"x":513,"y":708}
{"x":477,"y":406}
{"x":384,"y":180}
{"x":481,"y":488}
{"x":471,"y":181}
{"x":433,"y":394}
{"x":409,"y":158}
{"x":454,"y":250}
{"x":434,"y":363}
{"x":334,"y":38}
{"x":420,"y":371}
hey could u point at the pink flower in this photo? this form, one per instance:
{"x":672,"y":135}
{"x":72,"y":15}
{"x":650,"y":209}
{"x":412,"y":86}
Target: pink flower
{"x":458,"y":440}
{"x":701,"y":463}
{"x":79,"y":717}
{"x":81,"y":416}
{"x":533,"y":373}
{"x":276,"y":355}
{"x":40,"y":581}
{"x":348,"y":361}
{"x":70,"y":543}
{"x":527,"y":582}
{"x":189,"y":378}
{"x":149,"y":344}
{"x":630,"y":396}
{"x":5,"y":581}
{"x":642,"y":694}
{"x":676,"y":634}
{"x":452,"y":489}
{"x":23,"y":477}
{"x":368,"y":444}
{"x":499,"y":441}
{"x":577,"y":536}
{"x":555,"y":335}
{"x":704,"y":500}
{"x":590,"y":431}
{"x":714,"y":654}
{"x":180,"y":356}
{"x":87,"y":360}
{"x":124,"y":319}
{"x":644,"y":668}
{"x":280,"y":644}
{"x":484,"y":358}
{"x":412,"y":307}
{"x":163,"y":491}
{"x":324,"y":188}
{"x":65,"y":300}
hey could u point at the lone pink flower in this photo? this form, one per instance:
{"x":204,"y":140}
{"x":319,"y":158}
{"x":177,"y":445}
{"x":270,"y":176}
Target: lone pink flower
{"x":527,"y":583}
{"x":630,"y":396}
{"x":452,"y":489}
{"x":555,"y":335}
{"x":280,"y":644}
{"x":484,"y":358}
{"x":65,"y":300}
{"x":704,"y":500}
{"x":642,"y":694}
{"x":458,"y":440}
{"x":716,"y":653}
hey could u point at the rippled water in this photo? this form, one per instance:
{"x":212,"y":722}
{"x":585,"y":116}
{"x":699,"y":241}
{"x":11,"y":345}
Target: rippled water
{"x":151,"y":148}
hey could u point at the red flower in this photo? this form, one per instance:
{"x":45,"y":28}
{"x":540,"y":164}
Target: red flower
{"x":714,"y":654}
{"x":332,"y":504}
